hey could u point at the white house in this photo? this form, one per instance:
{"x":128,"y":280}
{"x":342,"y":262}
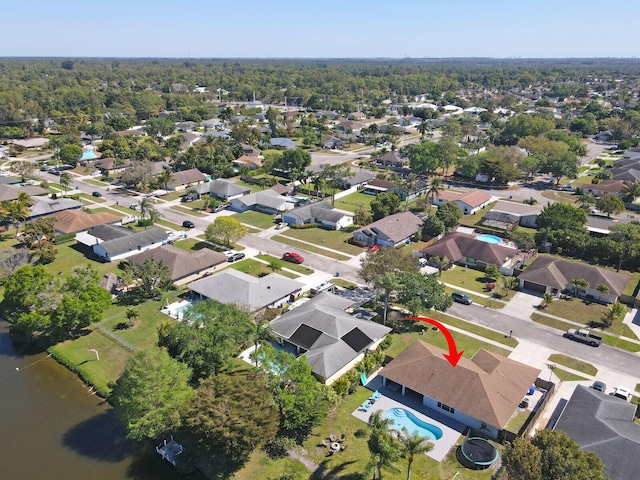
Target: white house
{"x":322,"y":213}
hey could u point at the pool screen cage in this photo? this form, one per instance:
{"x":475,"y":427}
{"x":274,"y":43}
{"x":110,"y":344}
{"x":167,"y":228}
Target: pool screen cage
{"x":477,"y":453}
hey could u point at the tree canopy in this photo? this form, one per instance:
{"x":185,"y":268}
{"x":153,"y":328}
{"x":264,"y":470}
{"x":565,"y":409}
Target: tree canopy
{"x":208,"y":337}
{"x":151,"y":394}
{"x":551,"y":455}
{"x":225,"y":230}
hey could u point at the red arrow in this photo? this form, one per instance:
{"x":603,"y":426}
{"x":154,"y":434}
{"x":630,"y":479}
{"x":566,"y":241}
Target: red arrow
{"x":453,"y":356}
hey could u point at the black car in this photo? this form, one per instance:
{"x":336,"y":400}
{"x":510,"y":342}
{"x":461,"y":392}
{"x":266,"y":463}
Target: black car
{"x":235,"y":257}
{"x":461,"y":298}
{"x":188,"y":224}
{"x":96,"y":194}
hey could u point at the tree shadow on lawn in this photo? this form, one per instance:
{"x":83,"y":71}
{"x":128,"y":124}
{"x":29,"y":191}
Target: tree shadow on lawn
{"x":336,"y":469}
{"x":100,"y":437}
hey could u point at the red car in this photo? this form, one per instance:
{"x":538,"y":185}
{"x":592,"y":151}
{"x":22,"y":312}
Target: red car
{"x":374,"y":248}
{"x":292,"y":257}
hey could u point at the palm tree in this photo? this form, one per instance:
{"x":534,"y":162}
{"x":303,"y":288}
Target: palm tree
{"x":615,"y":311}
{"x":434,"y":189}
{"x":165,"y":178}
{"x":15,"y":211}
{"x":578,"y":284}
{"x":547,"y":298}
{"x":410,"y":185}
{"x":154,"y":216}
{"x":423,"y":128}
{"x":630,"y":191}
{"x":441,"y":263}
{"x":381,"y":445}
{"x":603,"y":289}
{"x":132,"y":315}
{"x":145,"y":207}
{"x":260,"y":333}
{"x":414,"y":444}
{"x":65,"y":181}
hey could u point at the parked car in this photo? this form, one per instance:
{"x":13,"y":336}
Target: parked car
{"x":599,"y":386}
{"x":133,"y":206}
{"x":623,"y":393}
{"x":189,"y":197}
{"x":96,"y":194}
{"x":292,"y":257}
{"x":236,"y":256}
{"x":423,"y":262}
{"x":461,"y":298}
{"x":188,"y":224}
{"x":374,"y":248}
{"x":219,"y":208}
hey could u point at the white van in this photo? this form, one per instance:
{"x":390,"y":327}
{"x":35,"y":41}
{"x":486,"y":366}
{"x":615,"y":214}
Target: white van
{"x":325,"y":286}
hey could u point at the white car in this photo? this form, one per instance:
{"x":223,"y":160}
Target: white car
{"x":623,"y":393}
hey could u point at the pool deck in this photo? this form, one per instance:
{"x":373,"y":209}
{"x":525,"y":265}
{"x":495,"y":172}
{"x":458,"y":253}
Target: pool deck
{"x":451,"y":429}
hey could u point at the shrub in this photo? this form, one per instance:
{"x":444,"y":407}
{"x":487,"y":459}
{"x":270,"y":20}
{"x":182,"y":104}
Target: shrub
{"x":67,"y":237}
{"x":360,"y":433}
{"x":277,"y":447}
{"x":304,"y":225}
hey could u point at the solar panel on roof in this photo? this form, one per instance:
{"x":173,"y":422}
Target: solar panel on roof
{"x":305,"y":336}
{"x":356,"y":339}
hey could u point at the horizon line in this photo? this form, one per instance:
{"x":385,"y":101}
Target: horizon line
{"x":109,"y":57}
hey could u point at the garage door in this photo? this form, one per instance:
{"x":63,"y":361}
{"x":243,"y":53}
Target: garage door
{"x":536,"y":287}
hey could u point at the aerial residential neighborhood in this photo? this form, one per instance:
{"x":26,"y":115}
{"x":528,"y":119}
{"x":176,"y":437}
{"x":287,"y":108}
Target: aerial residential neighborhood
{"x":321,"y":269}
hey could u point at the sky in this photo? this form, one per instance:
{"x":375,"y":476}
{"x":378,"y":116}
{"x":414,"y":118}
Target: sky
{"x":320,"y":28}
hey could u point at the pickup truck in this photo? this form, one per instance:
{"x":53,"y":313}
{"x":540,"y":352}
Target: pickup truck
{"x":584,"y":336}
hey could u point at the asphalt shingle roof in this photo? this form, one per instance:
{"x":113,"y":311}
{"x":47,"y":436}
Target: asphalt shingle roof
{"x":332,"y":337}
{"x":487,"y":387}
{"x":604,"y":425}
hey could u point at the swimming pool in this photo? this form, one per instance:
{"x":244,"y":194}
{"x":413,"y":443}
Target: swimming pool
{"x":489,"y":238}
{"x":404,"y":418}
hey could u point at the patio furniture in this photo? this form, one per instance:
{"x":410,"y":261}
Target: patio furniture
{"x":329,"y":453}
{"x":323,"y":443}
{"x":376,"y":395}
{"x":335,"y":446}
{"x":332,"y":437}
{"x":341,"y":439}
{"x":343,"y":448}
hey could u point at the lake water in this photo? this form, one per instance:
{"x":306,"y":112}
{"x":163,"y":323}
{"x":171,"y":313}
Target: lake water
{"x":52,"y":428}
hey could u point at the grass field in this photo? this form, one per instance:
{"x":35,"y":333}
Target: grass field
{"x":301,"y":269}
{"x":334,"y":239}
{"x":607,"y":339}
{"x":350,"y":202}
{"x":257,"y":269}
{"x":567,"y":376}
{"x":309,"y":247}
{"x":189,"y":211}
{"x":255,"y":219}
{"x":573,"y":363}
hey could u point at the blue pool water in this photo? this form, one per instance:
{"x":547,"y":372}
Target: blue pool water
{"x":489,"y":238}
{"x":404,"y":418}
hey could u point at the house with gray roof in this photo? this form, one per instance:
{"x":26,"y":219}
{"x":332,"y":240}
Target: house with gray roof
{"x":358,"y":179}
{"x":331,"y":142}
{"x":222,"y":189}
{"x":390,"y":231}
{"x":332,"y":340}
{"x":603,"y":424}
{"x":466,"y":249}
{"x":393,"y":159}
{"x":553,"y":275}
{"x":267,"y":201}
{"x":128,"y":245}
{"x":181,"y":263}
{"x":482,"y":392}
{"x":505,"y":214}
{"x":46,"y":206}
{"x":246,"y":291}
{"x":187,"y":178}
{"x":284,"y":143}
{"x":322,"y":213}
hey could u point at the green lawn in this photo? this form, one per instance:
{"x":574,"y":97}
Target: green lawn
{"x":189,"y":211}
{"x":308,"y":247}
{"x":91,"y":198}
{"x":567,"y":376}
{"x":255,"y":219}
{"x":559,"y":196}
{"x":350,"y":202}
{"x":253,"y":186}
{"x":69,"y":257}
{"x":334,"y":239}
{"x":352,"y":462}
{"x":564,"y":326}
{"x":343,"y":283}
{"x":302,"y":269}
{"x":590,"y":314}
{"x":118,"y":213}
{"x":97,"y":183}
{"x":257,"y":269}
{"x":573,"y":363}
{"x":475,"y":329}
{"x":517,"y":420}
{"x":468,"y":278}
{"x":473,"y":220}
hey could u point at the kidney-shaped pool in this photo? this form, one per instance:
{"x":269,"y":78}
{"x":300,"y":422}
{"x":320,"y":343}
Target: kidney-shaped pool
{"x":405,"y":419}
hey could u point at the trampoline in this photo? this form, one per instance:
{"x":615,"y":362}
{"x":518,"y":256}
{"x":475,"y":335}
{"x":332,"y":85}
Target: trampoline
{"x":479,"y":452}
